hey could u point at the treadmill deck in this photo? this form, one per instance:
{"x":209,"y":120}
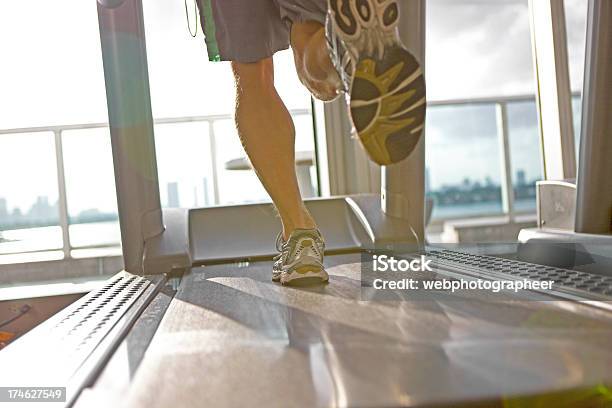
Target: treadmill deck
{"x":231,"y":337}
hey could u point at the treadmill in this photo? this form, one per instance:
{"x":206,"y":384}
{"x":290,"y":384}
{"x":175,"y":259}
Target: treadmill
{"x":195,"y":321}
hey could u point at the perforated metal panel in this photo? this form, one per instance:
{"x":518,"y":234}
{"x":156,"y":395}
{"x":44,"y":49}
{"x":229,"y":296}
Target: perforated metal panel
{"x":87,"y":323}
{"x":57,"y":350}
{"x":591,"y":285}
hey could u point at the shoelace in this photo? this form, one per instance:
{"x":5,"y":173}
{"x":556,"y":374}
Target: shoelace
{"x":282,"y":246}
{"x":279,"y":242}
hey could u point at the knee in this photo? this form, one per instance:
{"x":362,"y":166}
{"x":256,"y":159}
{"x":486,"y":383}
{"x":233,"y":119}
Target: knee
{"x":253,"y":74}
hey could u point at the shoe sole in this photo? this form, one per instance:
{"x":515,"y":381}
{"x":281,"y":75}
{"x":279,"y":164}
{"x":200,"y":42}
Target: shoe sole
{"x":305,"y":277}
{"x":387,"y":88}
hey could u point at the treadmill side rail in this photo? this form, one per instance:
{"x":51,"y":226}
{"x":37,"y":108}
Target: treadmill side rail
{"x":70,"y":348}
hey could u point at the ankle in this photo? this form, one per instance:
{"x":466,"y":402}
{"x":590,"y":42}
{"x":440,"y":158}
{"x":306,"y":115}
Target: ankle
{"x":306,"y":222}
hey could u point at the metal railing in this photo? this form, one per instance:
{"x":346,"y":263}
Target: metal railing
{"x":501,"y":109}
{"x":501,"y":104}
{"x":58,"y":130}
{"x":503,"y":133}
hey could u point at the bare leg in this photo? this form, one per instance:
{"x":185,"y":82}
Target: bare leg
{"x":312,"y":60}
{"x":268,"y":136}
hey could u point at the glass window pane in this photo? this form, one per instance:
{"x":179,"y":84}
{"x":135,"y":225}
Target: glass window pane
{"x":58,"y":80}
{"x":51,"y":66}
{"x":184,"y":164}
{"x":237,"y":183}
{"x":90,"y":188}
{"x":182,"y":81}
{"x":29,"y":216}
{"x":576,"y":18}
{"x":305,"y":155}
{"x":463,"y":161}
{"x":469,"y":54}
{"x":185,"y":84}
{"x":291,"y":91}
{"x":525,"y":153}
{"x":577,"y":113}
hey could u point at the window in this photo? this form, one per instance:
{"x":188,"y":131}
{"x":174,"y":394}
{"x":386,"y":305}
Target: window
{"x":29,"y":214}
{"x":463,"y":161}
{"x":51,"y":77}
{"x":576,"y":19}
{"x":525,"y":163}
{"x":203,"y":163}
{"x":479,"y":61}
{"x":90,"y":192}
{"x":54,"y":101}
{"x":478,"y":48}
{"x":51,"y":66}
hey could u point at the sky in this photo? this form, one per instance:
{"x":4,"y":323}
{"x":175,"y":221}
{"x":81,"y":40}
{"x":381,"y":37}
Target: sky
{"x":482,"y":48}
{"x":51,"y":73}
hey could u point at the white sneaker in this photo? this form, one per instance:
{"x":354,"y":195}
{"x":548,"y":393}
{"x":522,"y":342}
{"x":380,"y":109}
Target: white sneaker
{"x":300,"y":260}
{"x":384,"y":81}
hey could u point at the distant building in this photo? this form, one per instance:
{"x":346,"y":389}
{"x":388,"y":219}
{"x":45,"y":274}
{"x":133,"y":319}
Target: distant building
{"x":173,"y":195}
{"x":41,"y":211}
{"x":521,"y":178}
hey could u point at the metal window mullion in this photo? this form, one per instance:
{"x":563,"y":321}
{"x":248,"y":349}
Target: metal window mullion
{"x":213,"y":159}
{"x":62,"y":200}
{"x":506,"y":164}
{"x":549,"y":44}
{"x":336,"y":129}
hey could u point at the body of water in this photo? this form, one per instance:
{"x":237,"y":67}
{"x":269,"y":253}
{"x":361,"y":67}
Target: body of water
{"x":108,"y":233}
{"x":480,"y":209}
{"x":50,"y":238}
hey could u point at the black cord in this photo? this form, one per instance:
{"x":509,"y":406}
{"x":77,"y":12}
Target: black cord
{"x":22,"y":311}
{"x":195,"y":8}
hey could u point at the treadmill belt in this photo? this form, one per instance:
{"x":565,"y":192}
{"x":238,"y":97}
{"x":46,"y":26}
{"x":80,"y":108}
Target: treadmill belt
{"x":231,"y":337}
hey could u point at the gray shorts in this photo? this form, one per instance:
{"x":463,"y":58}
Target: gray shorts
{"x":251,"y":30}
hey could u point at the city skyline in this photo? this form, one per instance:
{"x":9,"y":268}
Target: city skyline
{"x":468,"y":55}
{"x":43,"y":212}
